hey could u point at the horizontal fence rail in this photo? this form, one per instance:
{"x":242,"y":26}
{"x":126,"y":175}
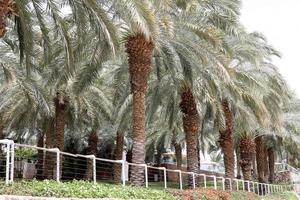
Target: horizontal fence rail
{"x":63,"y":166}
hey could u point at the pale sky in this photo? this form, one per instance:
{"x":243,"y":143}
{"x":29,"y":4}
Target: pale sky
{"x":279,"y":21}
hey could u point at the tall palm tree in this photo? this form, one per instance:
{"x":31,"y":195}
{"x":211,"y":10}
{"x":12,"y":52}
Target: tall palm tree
{"x":191,"y":123}
{"x":92,"y":150}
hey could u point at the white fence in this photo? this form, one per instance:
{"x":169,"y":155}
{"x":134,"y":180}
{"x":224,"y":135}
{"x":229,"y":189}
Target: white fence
{"x":63,"y":166}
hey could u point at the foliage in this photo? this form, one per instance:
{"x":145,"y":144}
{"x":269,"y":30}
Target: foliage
{"x":25,"y":153}
{"x":81,"y":189}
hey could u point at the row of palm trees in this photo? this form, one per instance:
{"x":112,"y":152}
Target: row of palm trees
{"x":195,"y":75}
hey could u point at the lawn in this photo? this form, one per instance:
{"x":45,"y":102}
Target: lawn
{"x":83,"y":189}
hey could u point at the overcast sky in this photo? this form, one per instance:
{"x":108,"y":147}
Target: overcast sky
{"x":280,"y":21}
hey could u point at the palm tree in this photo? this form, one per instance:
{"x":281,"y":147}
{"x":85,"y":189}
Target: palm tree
{"x":247,"y":148}
{"x":92,"y":150}
{"x":259,"y":148}
{"x":191,"y":123}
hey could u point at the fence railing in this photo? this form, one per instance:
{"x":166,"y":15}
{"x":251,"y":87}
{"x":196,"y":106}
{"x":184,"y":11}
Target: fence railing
{"x":43,"y":163}
{"x":279,"y":167}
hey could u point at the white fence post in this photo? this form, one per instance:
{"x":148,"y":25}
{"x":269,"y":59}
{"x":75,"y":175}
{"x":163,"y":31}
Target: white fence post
{"x":237,"y":184}
{"x":194,"y":182}
{"x":215,"y":182}
{"x":248,"y":184}
{"x":94,"y":169}
{"x":258,"y":188}
{"x":204,"y":178}
{"x":165,"y":177}
{"x":12,"y":158}
{"x":180,"y":178}
{"x":223,"y":182}
{"x":243,"y":185}
{"x":7,"y":163}
{"x":123,"y":173}
{"x":146,"y":175}
{"x":57,"y":164}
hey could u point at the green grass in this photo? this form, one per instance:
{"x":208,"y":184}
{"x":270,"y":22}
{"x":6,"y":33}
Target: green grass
{"x":276,"y":196}
{"x":84,"y":189}
{"x":81,"y":189}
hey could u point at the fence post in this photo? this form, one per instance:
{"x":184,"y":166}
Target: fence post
{"x":215,"y":182}
{"x":204,"y":178}
{"x":194,"y":182}
{"x":123,"y":173}
{"x":180,"y":178}
{"x":165,"y":177}
{"x":253,"y":186}
{"x":243,"y":184}
{"x":258,"y":188}
{"x":12,"y":158}
{"x":57,"y":164}
{"x":7,"y":163}
{"x":223,"y":183}
{"x":237,"y":184}
{"x":94,"y":169}
{"x":146,"y":175}
{"x":248,"y":184}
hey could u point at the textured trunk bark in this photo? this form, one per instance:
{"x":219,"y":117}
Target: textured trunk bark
{"x":92,"y":150}
{"x":139,"y":51}
{"x":7,"y":8}
{"x":247,"y":150}
{"x":178,"y":153}
{"x":266,"y":163}
{"x":198,"y":154}
{"x":271,"y":156}
{"x":254,"y":168}
{"x":191,"y":124}
{"x":227,"y":143}
{"x":119,"y":155}
{"x":2,"y":135}
{"x":259,"y":148}
{"x":49,"y":158}
{"x":40,"y":157}
{"x":158,"y":156}
{"x":60,"y":112}
{"x":238,"y":166}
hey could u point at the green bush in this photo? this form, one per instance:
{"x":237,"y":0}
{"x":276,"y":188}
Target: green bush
{"x":82,"y":189}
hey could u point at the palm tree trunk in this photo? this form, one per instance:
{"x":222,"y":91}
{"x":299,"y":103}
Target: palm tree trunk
{"x":254,"y":168}
{"x":247,"y":150}
{"x":2,"y":135}
{"x":271,"y":156}
{"x":119,"y":155}
{"x":191,"y":124}
{"x":92,"y":150}
{"x":238,"y":166}
{"x":227,"y":143}
{"x":259,"y":148}
{"x":49,"y":158}
{"x":159,"y":149}
{"x":266,"y":164}
{"x":7,"y":8}
{"x":139,"y":50}
{"x":40,"y":157}
{"x":60,"y":111}
{"x":178,"y":153}
{"x":198,"y":153}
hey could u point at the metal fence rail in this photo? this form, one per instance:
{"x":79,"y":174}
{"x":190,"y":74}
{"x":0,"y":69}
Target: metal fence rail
{"x":63,"y":166}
